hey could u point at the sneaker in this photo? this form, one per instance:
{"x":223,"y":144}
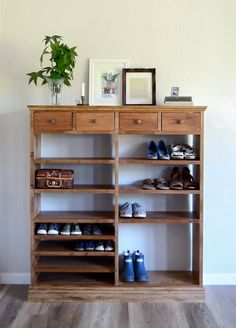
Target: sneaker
{"x":42,"y":229}
{"x":89,"y":245}
{"x":79,"y":245}
{"x":99,"y":246}
{"x":151,"y":150}
{"x":96,"y":230}
{"x":189,"y":152}
{"x":162,"y":151}
{"x":66,"y":229}
{"x":177,"y":152}
{"x":75,"y":230}
{"x":53,"y":229}
{"x":109,"y":246}
{"x":138,"y":211}
{"x":126,"y":210}
{"x":87,"y":229}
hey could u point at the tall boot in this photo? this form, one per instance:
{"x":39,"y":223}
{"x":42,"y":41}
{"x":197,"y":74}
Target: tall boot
{"x":128,"y":268}
{"x":141,"y":274}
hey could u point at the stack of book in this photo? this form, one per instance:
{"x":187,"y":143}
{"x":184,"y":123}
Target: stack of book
{"x":178,"y":101}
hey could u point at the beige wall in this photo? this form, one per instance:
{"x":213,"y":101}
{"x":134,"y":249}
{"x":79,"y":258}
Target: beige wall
{"x":192,"y":45}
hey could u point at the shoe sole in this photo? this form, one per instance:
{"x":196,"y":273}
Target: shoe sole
{"x":140,"y":216}
{"x":41,"y":232}
{"x":99,"y":250}
{"x":109,"y":249}
{"x":79,"y":249}
{"x":65,"y":233}
{"x":76,"y":233}
{"x":53,"y":233}
{"x":126,"y":215}
{"x":89,"y":249}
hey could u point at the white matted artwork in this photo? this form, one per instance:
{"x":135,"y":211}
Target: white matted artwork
{"x":105,"y":81}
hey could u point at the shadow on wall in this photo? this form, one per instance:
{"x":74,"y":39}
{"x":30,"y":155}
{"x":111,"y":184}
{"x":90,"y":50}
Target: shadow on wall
{"x":14,"y":192}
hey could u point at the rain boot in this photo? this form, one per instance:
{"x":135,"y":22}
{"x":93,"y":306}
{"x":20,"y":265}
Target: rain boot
{"x":139,"y":268}
{"x":128,"y":268}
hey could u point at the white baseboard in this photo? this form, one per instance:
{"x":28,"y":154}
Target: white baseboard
{"x":14,"y":278}
{"x":208,"y":279}
{"x":219,"y":279}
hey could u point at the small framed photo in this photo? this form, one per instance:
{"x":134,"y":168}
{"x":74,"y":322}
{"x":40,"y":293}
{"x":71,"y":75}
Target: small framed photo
{"x":139,"y":86}
{"x":175,"y":92}
{"x":105,"y":81}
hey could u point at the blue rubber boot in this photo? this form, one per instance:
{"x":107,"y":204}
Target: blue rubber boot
{"x":128,"y":268}
{"x":139,"y":268}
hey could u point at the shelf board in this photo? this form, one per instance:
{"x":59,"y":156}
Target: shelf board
{"x":164,"y":279}
{"x":129,"y":189}
{"x":75,"y":216}
{"x":74,"y":160}
{"x":74,"y":264}
{"x":159,"y":161}
{"x":62,"y":249}
{"x":104,"y":236}
{"x":95,"y":189}
{"x":54,"y":279}
{"x":165,"y":218}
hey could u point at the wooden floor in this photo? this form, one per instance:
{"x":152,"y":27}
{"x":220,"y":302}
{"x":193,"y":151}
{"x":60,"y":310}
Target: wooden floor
{"x":218,"y":311}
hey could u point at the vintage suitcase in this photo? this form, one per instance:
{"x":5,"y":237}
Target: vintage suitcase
{"x":54,"y":178}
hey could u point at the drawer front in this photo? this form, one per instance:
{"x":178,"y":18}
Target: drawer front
{"x":52,"y":121}
{"x":144,"y":123}
{"x":95,"y":122}
{"x":181,"y":122}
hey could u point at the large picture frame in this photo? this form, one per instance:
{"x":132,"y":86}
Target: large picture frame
{"x":139,"y":86}
{"x":105,"y":81}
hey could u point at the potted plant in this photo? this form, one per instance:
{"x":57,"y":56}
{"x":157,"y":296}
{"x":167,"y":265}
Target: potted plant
{"x":60,"y":70}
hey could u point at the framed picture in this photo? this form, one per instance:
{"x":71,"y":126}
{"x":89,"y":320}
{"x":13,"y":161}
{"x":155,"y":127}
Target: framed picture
{"x":139,"y":86}
{"x":105,"y":81}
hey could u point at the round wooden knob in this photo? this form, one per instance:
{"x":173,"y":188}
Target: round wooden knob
{"x":94,"y":120}
{"x":53,"y":121}
{"x":138,"y":121}
{"x":180,"y":121}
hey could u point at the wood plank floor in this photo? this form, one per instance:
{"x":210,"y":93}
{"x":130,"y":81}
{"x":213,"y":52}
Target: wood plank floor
{"x":219,"y":311}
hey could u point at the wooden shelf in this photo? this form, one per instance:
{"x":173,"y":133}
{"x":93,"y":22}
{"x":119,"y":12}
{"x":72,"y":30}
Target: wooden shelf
{"x":95,"y":189}
{"x":47,"y":279}
{"x":73,"y":237}
{"x":158,"y":161}
{"x":138,"y":190}
{"x":65,"y":249}
{"x":164,"y":279}
{"x":74,"y":160}
{"x":165,"y":218}
{"x":75,"y":216}
{"x":74,"y":264}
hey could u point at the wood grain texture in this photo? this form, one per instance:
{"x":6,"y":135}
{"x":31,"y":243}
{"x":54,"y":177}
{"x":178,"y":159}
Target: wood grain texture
{"x":95,"y":123}
{"x":218,"y":311}
{"x":52,"y":121}
{"x":181,"y":122}
{"x":144,"y":123}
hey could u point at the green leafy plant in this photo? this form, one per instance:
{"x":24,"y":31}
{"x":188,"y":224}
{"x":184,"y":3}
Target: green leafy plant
{"x":62,"y":61}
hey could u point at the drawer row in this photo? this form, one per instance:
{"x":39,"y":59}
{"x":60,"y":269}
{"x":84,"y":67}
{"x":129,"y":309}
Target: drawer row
{"x":132,"y":122}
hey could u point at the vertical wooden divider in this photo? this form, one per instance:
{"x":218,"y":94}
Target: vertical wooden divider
{"x":116,"y":195}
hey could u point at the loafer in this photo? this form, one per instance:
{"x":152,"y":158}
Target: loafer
{"x":162,"y":150}
{"x":151,"y":150}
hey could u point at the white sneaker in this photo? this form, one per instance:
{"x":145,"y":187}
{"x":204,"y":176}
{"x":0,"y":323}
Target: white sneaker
{"x":66,"y":229}
{"x":76,"y":229}
{"x":99,"y":246}
{"x":109,"y":246}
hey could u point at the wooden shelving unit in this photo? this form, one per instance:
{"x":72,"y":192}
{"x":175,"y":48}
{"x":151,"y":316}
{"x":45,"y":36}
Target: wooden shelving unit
{"x":58,"y":272}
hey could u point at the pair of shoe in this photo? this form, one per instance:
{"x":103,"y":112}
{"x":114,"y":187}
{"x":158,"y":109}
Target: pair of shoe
{"x":157,"y":150}
{"x":153,"y":184}
{"x":134,"y":268}
{"x":71,"y":229}
{"x":128,"y":210}
{"x":48,"y":229}
{"x":182,"y":151}
{"x":90,"y":245}
{"x":92,"y":229}
{"x":184,"y":181}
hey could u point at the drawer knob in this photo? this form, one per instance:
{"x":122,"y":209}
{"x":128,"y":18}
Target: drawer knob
{"x":138,"y":121}
{"x":53,"y":121}
{"x":180,"y":121}
{"x":94,"y":120}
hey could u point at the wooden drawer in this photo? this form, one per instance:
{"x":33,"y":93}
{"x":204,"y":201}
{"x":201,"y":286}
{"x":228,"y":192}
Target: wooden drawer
{"x":52,"y":121}
{"x":181,"y":122}
{"x":95,"y":122}
{"x":145,"y":123}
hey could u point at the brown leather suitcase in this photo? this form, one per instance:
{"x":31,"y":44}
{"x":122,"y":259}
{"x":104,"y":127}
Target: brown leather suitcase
{"x":54,"y":178}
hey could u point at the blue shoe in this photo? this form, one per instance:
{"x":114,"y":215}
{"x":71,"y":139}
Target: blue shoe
{"x":162,"y":150}
{"x":53,"y":229}
{"x":139,"y":268}
{"x":152,"y":150}
{"x":96,"y":230}
{"x":87,"y":229}
{"x":89,"y":245}
{"x":126,"y":210}
{"x":42,"y":229}
{"x":79,"y":245}
{"x":128,"y":268}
